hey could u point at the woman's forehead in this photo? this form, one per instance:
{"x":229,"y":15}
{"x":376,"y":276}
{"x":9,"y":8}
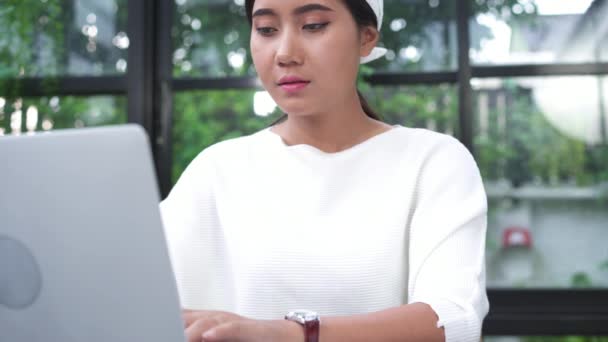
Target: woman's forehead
{"x":287,"y":5}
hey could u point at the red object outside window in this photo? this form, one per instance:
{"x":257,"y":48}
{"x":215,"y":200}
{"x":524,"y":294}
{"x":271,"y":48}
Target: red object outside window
{"x":516,"y":237}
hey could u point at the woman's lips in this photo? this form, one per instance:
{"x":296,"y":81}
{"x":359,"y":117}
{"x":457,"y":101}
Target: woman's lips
{"x":292,"y":83}
{"x":294,"y":87}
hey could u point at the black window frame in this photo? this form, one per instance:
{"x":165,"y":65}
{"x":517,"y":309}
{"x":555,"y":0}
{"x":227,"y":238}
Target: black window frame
{"x":149,"y":86}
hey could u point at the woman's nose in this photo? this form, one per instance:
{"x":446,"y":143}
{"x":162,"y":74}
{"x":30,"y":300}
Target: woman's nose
{"x":288,"y":52}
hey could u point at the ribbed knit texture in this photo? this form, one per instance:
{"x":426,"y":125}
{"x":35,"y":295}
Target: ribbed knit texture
{"x":260,"y":228}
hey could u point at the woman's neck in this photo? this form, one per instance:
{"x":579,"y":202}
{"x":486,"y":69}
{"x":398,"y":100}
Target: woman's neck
{"x":329,"y":133}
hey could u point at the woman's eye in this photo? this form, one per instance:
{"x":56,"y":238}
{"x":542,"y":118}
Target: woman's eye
{"x":266,"y":31}
{"x":315,"y":27}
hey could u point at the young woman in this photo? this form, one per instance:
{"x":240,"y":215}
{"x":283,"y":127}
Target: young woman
{"x":377,"y":231}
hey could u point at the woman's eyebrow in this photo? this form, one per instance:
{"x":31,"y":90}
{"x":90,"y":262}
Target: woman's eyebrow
{"x":311,"y":7}
{"x":264,"y":11}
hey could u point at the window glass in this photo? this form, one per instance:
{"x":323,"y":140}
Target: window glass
{"x":58,"y":38}
{"x":30,"y":114}
{"x":431,"y":107}
{"x":211,"y":39}
{"x":542,"y":148}
{"x":539,"y":31}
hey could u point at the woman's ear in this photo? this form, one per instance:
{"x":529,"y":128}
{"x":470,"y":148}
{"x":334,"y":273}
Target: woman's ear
{"x":369,"y":40}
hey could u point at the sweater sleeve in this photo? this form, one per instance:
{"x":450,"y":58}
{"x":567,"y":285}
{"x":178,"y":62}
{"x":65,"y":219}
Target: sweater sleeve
{"x":447,"y":241}
{"x":194,"y":238}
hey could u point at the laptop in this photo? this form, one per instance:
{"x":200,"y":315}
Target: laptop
{"x":82,"y":250}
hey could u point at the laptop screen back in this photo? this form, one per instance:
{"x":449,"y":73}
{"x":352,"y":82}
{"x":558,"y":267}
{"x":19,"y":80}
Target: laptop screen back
{"x":82,"y":250}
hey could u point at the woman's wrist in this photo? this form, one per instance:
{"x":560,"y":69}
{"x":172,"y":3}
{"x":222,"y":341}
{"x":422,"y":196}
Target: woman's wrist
{"x":293,"y":331}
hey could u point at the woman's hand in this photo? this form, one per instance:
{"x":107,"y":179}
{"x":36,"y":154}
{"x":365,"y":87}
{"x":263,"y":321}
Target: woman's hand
{"x":219,"y":326}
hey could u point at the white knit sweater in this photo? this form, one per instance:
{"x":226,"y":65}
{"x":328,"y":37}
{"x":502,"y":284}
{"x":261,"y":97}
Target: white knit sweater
{"x":260,"y":228}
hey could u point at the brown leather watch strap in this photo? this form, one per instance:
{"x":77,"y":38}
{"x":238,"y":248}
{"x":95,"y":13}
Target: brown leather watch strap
{"x":311,"y":329}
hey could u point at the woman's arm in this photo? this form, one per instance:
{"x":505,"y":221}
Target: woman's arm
{"x":412,"y":322}
{"x":446,"y":276}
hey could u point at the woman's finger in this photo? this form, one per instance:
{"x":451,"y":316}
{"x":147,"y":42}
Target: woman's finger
{"x":235,"y":331}
{"x":188,"y":317}
{"x":195,"y":331}
{"x":191,"y":316}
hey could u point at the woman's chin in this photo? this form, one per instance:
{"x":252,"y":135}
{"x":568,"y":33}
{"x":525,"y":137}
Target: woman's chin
{"x":298,"y":111}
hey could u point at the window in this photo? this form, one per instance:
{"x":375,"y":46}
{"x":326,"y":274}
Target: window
{"x":544,"y":158}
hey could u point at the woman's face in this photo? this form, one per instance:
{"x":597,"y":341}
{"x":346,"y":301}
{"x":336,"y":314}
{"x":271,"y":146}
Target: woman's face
{"x":306,"y":53}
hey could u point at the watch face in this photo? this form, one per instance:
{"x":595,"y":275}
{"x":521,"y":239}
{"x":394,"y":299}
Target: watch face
{"x":308,"y":315}
{"x":302,"y":316}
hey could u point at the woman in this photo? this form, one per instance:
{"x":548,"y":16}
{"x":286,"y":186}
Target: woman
{"x":378,"y":230}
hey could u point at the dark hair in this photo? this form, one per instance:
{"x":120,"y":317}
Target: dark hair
{"x":364,"y":16}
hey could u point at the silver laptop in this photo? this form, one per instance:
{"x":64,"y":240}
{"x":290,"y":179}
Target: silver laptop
{"x":82,"y":250}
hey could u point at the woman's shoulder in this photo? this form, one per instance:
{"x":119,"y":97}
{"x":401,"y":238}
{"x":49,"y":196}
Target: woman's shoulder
{"x":425,"y":141}
{"x":424,"y":134}
{"x":432,"y":153}
{"x":442,"y":154}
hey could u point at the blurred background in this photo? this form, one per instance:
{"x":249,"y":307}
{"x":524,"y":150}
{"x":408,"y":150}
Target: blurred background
{"x":522,"y":83}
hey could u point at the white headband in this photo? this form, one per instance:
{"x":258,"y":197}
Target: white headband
{"x":378,"y":8}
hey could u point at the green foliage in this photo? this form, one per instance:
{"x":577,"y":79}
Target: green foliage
{"x":34,"y":40}
{"x":20,"y":22}
{"x":580,"y":280}
{"x":224,"y":30}
{"x":417,"y":106}
{"x":67,"y":112}
{"x":530,"y":149}
{"x":597,"y":162}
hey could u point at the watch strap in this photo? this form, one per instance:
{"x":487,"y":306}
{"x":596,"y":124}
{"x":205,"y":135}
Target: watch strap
{"x":311,"y":330}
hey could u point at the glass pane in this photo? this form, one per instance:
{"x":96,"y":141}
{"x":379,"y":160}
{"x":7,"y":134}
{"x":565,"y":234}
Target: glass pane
{"x":29,"y":114}
{"x":539,"y":31}
{"x":202,"y":118}
{"x":68,"y":37}
{"x":432,"y":107}
{"x":420,"y":36}
{"x":211,"y":38}
{"x":546,"y":339}
{"x":543,"y":150}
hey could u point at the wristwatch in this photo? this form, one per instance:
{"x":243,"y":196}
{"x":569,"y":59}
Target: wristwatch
{"x":309,"y":320}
